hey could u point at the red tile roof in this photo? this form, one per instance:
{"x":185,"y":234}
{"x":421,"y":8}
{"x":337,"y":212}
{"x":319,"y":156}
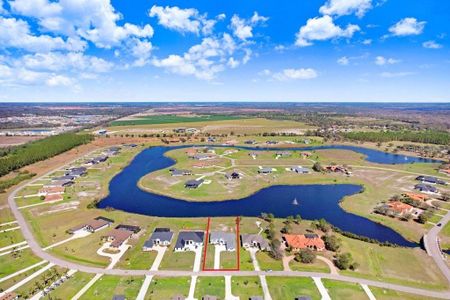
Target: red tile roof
{"x":302,"y":241}
{"x":399,"y":207}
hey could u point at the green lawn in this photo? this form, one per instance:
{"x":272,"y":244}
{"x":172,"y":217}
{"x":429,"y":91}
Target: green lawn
{"x":246,"y":261}
{"x":10,"y":237}
{"x":11,"y":263}
{"x":266,"y":262}
{"x":69,"y":288}
{"x":317,"y":266}
{"x":108,"y":286}
{"x":213,"y":286}
{"x":391,"y":264}
{"x":167,"y":287}
{"x":167,"y":119}
{"x":344,"y":290}
{"x":383,"y":294}
{"x":245,"y":287}
{"x":290,"y":287}
{"x":177,"y":260}
{"x":135,"y":258}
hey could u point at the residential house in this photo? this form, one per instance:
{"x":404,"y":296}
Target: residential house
{"x":416,"y":196}
{"x":97,"y":160}
{"x":118,"y":237}
{"x":233,"y":175}
{"x":250,"y":142}
{"x":226,"y":239}
{"x":93,"y":225}
{"x":193,"y":184}
{"x":178,"y":297}
{"x":338,"y":169}
{"x":179,"y":130}
{"x":254,"y":155}
{"x":178,"y":172}
{"x":431,"y":180}
{"x":271,"y":142}
{"x":191,"y":152}
{"x":300,"y":170}
{"x":304,"y":241}
{"x":76,"y":172}
{"x":203,"y":156}
{"x":159,"y":237}
{"x":189,"y":240}
{"x":283,"y":154}
{"x":306,"y":154}
{"x":254,"y":241}
{"x":59,"y":183}
{"x":192,"y":130}
{"x":265,"y":170}
{"x":399,"y":208}
{"x":426,"y":188}
{"x":209,"y":297}
{"x":132,"y":228}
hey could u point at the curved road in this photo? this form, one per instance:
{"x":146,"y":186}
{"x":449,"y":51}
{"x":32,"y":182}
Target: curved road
{"x":37,"y":250}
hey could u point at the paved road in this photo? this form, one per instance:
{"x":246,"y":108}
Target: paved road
{"x":37,"y":250}
{"x":433,"y":249}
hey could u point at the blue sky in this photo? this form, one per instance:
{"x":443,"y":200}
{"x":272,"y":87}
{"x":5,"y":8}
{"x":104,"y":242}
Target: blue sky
{"x":305,"y":50}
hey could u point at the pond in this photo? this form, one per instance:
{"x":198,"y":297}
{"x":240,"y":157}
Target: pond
{"x":314,"y":201}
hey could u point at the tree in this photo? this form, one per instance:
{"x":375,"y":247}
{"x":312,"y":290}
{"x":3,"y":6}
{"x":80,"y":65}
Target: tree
{"x":445,"y":196}
{"x":287,"y":228}
{"x":298,"y":219}
{"x":317,"y":167}
{"x":344,"y":261}
{"x":322,"y":224}
{"x":275,"y":250}
{"x":425,"y":216}
{"x":332,"y":243}
{"x":289,"y":220}
{"x":306,"y":256}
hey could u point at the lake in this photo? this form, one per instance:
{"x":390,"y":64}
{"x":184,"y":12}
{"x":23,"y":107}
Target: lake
{"x":315,"y":201}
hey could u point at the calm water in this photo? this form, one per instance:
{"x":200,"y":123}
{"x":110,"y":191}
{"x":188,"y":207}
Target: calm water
{"x":315,"y":201}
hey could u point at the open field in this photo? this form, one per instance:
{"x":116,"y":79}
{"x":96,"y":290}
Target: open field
{"x":16,"y":261}
{"x":108,"y":286}
{"x":167,"y":287}
{"x":290,"y":287}
{"x":71,"y":287}
{"x":7,"y":141}
{"x":213,"y":286}
{"x":344,"y":290}
{"x":167,"y":119}
{"x":246,"y":287}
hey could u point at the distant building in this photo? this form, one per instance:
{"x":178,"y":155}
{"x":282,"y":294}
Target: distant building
{"x":59,"y":183}
{"x":416,"y":196}
{"x":226,"y":239}
{"x":132,"y":228}
{"x":65,"y":177}
{"x":431,"y":180}
{"x":118,"y":237}
{"x":178,"y":172}
{"x":76,"y":172}
{"x":265,"y":170}
{"x":254,"y":241}
{"x":193,"y":184}
{"x":233,"y":175}
{"x":189,"y":240}
{"x":250,"y":142}
{"x":159,"y":237}
{"x":300,"y":170}
{"x":54,"y":197}
{"x":399,"y":208}
{"x":93,"y":225}
{"x":426,"y":188}
{"x":51,"y":190}
{"x":283,"y":154}
{"x":304,"y":241}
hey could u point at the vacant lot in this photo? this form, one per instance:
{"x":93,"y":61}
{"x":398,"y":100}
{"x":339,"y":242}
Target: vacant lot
{"x":166,"y":119}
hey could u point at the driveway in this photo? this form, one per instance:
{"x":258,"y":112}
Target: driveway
{"x":155,"y":266}
{"x":217,"y":250}
{"x":262,"y":278}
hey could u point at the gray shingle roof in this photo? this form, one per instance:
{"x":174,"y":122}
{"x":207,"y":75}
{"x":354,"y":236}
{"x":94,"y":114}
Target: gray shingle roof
{"x":227,"y":237}
{"x":183,"y":236}
{"x":163,"y":236}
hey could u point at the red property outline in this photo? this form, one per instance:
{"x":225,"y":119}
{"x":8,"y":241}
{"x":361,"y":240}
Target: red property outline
{"x":238,"y":246}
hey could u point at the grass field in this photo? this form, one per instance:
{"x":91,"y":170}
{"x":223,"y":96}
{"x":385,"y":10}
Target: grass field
{"x":10,"y":237}
{"x":71,"y":287}
{"x":291,"y":287}
{"x":317,"y":266}
{"x":246,"y":287}
{"x":166,"y":288}
{"x":344,"y":290}
{"x":383,"y":294}
{"x":166,"y":119}
{"x":108,"y":286}
{"x":213,"y":286}
{"x":11,"y":263}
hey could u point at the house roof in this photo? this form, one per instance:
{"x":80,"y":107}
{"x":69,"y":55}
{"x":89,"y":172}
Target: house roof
{"x":52,"y":189}
{"x":228,"y":237}
{"x":65,"y":177}
{"x":132,"y":228}
{"x":96,"y":224}
{"x":183,"y":236}
{"x":416,"y":196}
{"x":60,"y":183}
{"x":265,"y":170}
{"x":251,"y":238}
{"x":398,"y":206}
{"x":299,"y":169}
{"x":301,"y":241}
{"x":163,"y":236}
{"x":119,"y":236}
{"x":425,"y":187}
{"x":194,"y":183}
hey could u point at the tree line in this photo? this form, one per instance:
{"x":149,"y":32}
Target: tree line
{"x":426,"y":136}
{"x":40,"y":150}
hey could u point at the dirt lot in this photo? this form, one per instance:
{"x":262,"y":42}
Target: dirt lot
{"x":6,"y":141}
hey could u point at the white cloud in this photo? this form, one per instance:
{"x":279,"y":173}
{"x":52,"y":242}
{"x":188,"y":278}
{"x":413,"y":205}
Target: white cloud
{"x":295,"y":74}
{"x":183,"y":20}
{"x":367,"y":42}
{"x":56,"y":62}
{"x":431,"y":45}
{"x":320,"y":29}
{"x":381,"y":61}
{"x":396,"y":74}
{"x":243,"y":28}
{"x":15,"y":33}
{"x":59,"y":80}
{"x":346,"y":7}
{"x":407,"y":26}
{"x":141,"y":50}
{"x":93,"y":20}
{"x":343,"y":61}
{"x":204,"y":60}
